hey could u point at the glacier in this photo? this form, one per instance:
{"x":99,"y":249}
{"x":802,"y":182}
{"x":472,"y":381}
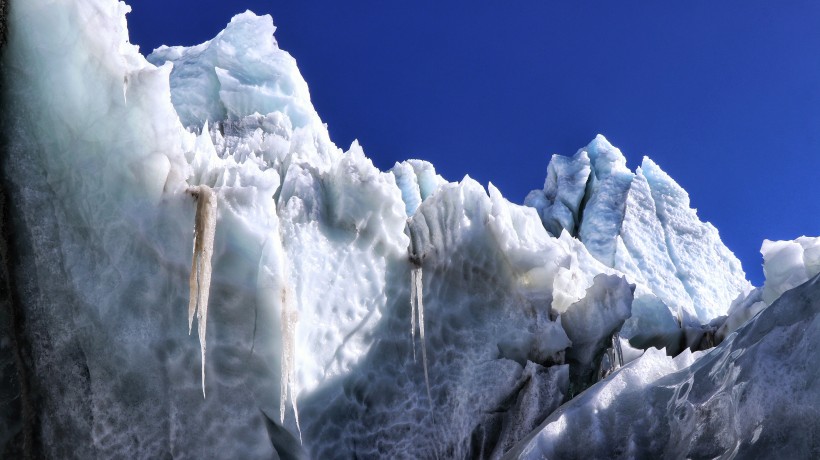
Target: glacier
{"x":600,"y":318}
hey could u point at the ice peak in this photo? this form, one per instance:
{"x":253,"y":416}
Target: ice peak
{"x":661,"y":182}
{"x":614,"y":212}
{"x":600,"y":141}
{"x":606,"y":158}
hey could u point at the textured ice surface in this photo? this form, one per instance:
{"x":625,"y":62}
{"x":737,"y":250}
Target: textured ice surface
{"x":591,"y":322}
{"x":417,"y":180}
{"x":786,"y":264}
{"x":559,"y":202}
{"x":230,"y":76}
{"x":603,"y":212}
{"x":317,"y":262}
{"x":757,"y":394}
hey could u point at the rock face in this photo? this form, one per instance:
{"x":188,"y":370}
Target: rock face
{"x":323,"y":268}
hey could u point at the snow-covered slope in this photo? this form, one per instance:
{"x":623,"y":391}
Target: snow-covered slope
{"x":349,"y":311}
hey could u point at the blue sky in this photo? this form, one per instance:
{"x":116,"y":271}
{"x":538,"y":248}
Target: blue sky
{"x":725,"y":96}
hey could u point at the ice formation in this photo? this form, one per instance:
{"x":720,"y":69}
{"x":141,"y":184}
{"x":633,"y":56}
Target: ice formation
{"x":200,"y":279}
{"x":641,"y":225}
{"x":788,"y":264}
{"x":417,"y":310}
{"x":521,"y":307}
{"x":287,"y":381}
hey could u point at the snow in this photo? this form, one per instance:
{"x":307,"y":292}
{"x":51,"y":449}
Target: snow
{"x":307,"y":297}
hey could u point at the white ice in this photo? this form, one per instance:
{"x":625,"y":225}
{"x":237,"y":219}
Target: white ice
{"x":640,"y":224}
{"x":788,"y":264}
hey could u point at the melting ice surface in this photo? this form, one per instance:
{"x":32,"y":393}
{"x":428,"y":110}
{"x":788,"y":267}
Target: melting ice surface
{"x":319,"y":261}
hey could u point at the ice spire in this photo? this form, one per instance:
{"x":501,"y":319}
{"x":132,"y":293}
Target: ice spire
{"x":200,"y":280}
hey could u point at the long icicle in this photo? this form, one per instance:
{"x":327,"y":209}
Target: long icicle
{"x":288,"y":319}
{"x":200,"y":279}
{"x":413,"y":283}
{"x":418,"y":294}
{"x":284,"y":379}
{"x":288,"y":381}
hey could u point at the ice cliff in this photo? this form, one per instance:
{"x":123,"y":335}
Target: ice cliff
{"x":313,"y":271}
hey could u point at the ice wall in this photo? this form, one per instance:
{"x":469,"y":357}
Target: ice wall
{"x":97,"y":166}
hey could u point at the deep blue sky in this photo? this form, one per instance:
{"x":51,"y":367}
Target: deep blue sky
{"x":725,"y":96}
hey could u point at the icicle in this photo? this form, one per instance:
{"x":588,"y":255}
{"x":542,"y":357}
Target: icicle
{"x":200,"y":280}
{"x":288,"y":319}
{"x":288,"y":379}
{"x":413,"y":283}
{"x":618,"y":355}
{"x":417,"y":301}
{"x":417,"y":305}
{"x":284,"y":378}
